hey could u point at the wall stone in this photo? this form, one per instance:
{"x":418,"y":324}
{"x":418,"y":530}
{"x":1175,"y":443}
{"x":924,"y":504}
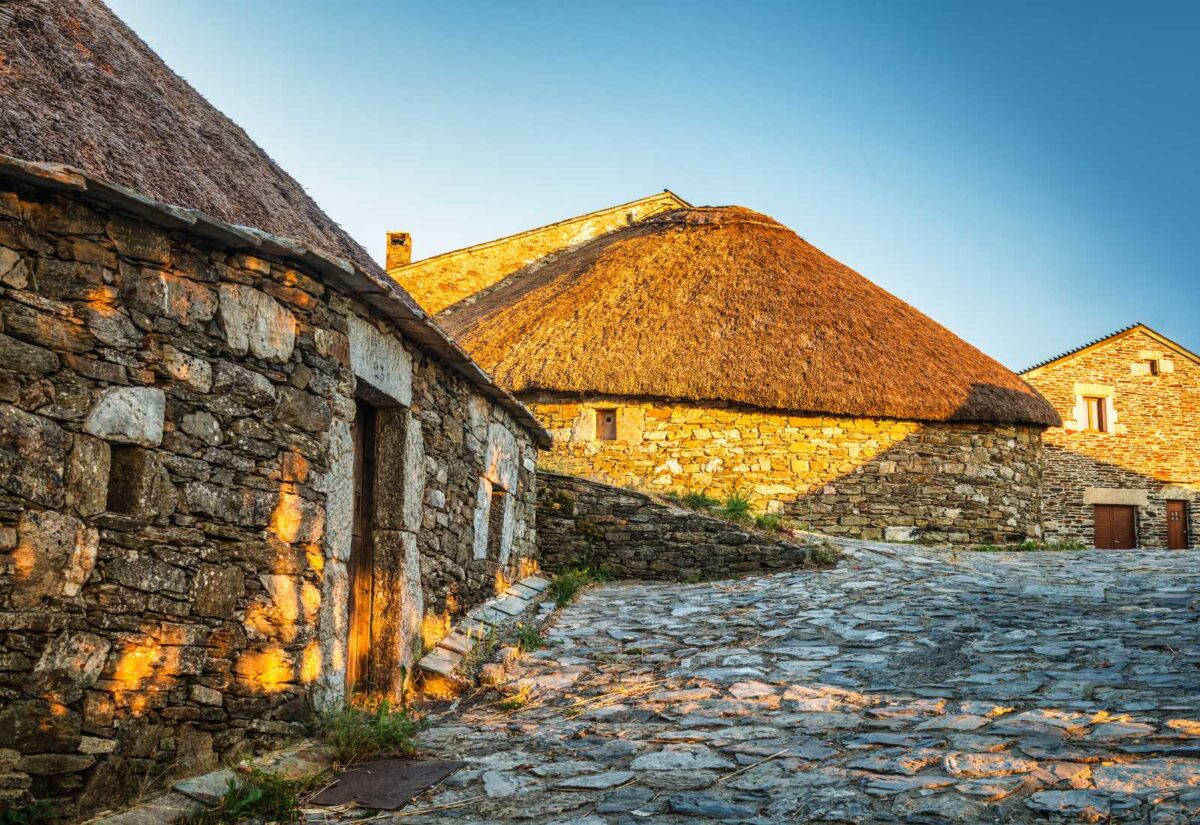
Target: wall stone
{"x":636,"y":535}
{"x":1155,"y":423}
{"x":858,"y":477}
{"x":176,"y":497}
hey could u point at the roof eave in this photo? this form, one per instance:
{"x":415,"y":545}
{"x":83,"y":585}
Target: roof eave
{"x":382,"y":294}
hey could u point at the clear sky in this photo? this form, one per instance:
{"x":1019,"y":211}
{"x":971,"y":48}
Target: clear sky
{"x":1024,"y":172}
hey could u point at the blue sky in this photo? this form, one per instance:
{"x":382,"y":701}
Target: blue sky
{"x":1024,"y":172}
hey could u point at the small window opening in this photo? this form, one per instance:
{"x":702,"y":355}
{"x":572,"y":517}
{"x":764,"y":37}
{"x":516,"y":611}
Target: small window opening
{"x":126,"y":479}
{"x":1097,"y":414}
{"x":1153,"y":362}
{"x":495,"y":524}
{"x":606,"y":425}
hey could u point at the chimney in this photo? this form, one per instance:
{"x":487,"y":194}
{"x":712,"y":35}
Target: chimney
{"x":399,"y":249}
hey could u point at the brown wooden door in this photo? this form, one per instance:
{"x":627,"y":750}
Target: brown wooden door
{"x":1177,"y":525}
{"x":1115,"y":527}
{"x":360,"y":568}
{"x":606,"y":425}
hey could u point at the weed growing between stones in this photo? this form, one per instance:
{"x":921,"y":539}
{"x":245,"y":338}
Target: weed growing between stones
{"x":528,"y":638}
{"x":736,"y":507}
{"x":568,"y":583}
{"x":39,"y":813}
{"x":824,"y":554}
{"x":1030,"y":546}
{"x":263,"y":796}
{"x":515,"y":701}
{"x":355,"y":734}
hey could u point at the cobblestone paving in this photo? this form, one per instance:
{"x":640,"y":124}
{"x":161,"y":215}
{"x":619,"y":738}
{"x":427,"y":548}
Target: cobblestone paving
{"x":905,"y":686}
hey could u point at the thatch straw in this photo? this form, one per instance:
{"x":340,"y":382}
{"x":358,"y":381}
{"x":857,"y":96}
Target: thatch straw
{"x":78,"y":87}
{"x":723,"y":304}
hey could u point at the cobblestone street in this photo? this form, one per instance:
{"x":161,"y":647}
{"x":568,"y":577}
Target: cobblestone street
{"x":907,"y":685}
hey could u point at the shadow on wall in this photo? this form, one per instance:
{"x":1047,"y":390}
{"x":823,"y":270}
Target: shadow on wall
{"x":872,"y":478}
{"x":1069,"y":514}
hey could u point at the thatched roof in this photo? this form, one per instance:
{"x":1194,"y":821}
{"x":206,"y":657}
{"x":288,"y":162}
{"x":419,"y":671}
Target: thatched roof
{"x":725,"y":304}
{"x":78,"y":87}
{"x":87,"y":109}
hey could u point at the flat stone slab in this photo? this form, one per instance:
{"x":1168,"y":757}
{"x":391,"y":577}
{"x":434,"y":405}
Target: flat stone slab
{"x":907,"y":684}
{"x":210,"y":787}
{"x":169,"y":807}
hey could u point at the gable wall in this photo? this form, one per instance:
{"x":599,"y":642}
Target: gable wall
{"x":1152,"y":446}
{"x":439,"y":282}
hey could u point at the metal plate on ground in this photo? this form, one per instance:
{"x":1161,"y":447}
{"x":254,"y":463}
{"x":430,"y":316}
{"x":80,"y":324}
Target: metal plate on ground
{"x":385,"y":785}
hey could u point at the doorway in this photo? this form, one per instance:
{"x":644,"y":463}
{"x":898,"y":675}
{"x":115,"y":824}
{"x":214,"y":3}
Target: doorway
{"x":1177,"y":525}
{"x":361,"y":566}
{"x":1116,"y":527}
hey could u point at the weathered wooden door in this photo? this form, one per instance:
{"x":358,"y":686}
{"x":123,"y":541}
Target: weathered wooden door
{"x":606,"y":425}
{"x":1177,"y":525}
{"x":361,"y":566}
{"x":1115,"y":527}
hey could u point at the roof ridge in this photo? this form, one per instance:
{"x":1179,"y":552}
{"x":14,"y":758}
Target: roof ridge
{"x":485,"y":244}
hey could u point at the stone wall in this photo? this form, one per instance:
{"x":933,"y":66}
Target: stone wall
{"x":634,"y":535}
{"x":176,"y":494}
{"x":444,"y":280}
{"x":858,"y":477}
{"x":1149,"y":454}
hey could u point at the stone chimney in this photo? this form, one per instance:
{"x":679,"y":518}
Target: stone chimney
{"x":399,"y":249}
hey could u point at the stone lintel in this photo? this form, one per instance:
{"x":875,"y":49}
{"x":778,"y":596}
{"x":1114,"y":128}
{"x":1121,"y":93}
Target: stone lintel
{"x":1106,"y":495}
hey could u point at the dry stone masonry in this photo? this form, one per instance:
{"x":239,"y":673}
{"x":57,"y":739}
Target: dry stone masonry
{"x":906,"y":685}
{"x":1146,"y":457}
{"x":867,"y":478}
{"x":633,"y":535}
{"x":176,"y":492}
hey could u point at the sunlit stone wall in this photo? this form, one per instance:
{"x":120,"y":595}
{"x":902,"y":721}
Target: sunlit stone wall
{"x":868,"y":478}
{"x":1149,"y":448}
{"x":176,"y":500}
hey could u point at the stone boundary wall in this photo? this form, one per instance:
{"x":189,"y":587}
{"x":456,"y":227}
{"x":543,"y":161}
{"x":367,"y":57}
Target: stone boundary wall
{"x":874,"y":479}
{"x":176,"y":499}
{"x":639,"y":536}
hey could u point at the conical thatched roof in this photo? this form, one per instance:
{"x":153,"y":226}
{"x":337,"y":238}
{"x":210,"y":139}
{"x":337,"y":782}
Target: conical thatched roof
{"x":78,"y":87}
{"x":726,"y":304}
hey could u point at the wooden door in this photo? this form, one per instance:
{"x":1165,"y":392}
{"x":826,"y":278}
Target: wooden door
{"x":1115,"y":527}
{"x":1177,"y":525}
{"x":360,"y":568}
{"x":606,"y":425}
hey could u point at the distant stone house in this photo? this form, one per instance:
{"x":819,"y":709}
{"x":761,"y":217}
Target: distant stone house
{"x":240,"y":475}
{"x":1123,"y":470}
{"x":712,"y":349}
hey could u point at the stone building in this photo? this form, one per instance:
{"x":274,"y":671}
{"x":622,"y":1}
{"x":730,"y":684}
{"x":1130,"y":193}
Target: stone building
{"x":713,"y":349}
{"x":241,"y":472}
{"x":1123,"y":470}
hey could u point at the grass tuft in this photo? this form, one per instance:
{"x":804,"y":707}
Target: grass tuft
{"x":699,"y":501}
{"x":264,"y":797}
{"x":37,"y":813}
{"x":529,"y":638}
{"x":356,"y":734}
{"x":770,"y":522}
{"x":1030,"y":546}
{"x":564,"y":587}
{"x":736,"y":507}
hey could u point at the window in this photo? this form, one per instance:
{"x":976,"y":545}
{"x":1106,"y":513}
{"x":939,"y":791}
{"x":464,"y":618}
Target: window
{"x":1154,"y":368}
{"x":127,"y":479}
{"x":606,"y":425}
{"x":1097,"y":414}
{"x":495,"y":528}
